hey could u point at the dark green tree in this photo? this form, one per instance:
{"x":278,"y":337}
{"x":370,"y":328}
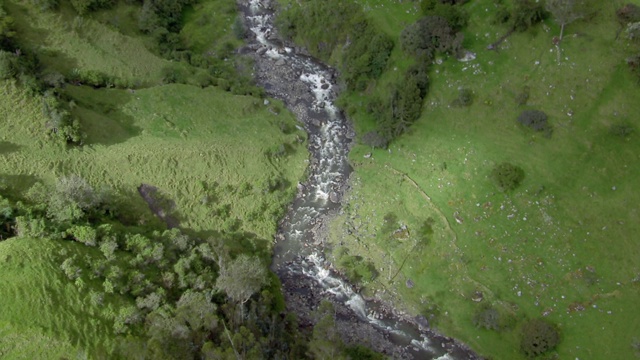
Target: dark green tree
{"x":507,"y":176}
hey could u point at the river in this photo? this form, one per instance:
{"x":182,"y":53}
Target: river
{"x":308,"y":88}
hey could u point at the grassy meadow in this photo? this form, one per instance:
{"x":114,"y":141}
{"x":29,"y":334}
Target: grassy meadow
{"x":562,"y":246}
{"x":43,"y":315}
{"x":230,"y":163}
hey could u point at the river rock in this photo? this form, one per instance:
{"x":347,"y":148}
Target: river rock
{"x":333,"y":197}
{"x":261,"y":51}
{"x":280,"y":62}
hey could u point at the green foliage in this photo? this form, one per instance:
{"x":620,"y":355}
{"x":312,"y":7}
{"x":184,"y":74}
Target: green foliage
{"x":536,"y":120}
{"x":241,"y":278}
{"x":507,"y":176}
{"x":538,"y":337}
{"x":527,"y":13}
{"x":464,"y":99}
{"x":73,"y":199}
{"x":84,"y":234}
{"x":326,"y":342}
{"x":60,"y":122}
{"x":340,"y":30}
{"x":85,"y":6}
{"x":622,"y":129}
{"x":431,"y":35}
{"x":7,"y":30}
{"x":356,"y":268}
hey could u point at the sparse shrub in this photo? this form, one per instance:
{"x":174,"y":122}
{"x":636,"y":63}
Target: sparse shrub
{"x":70,"y":269}
{"x":535,"y":119}
{"x":374,"y":139}
{"x":627,"y":14}
{"x":430,"y":35}
{"x":465,"y":98}
{"x":523,"y":96}
{"x":356,"y":268}
{"x":527,"y":13}
{"x":487,"y":317}
{"x":507,"y":176}
{"x":238,"y":29}
{"x":538,"y":337}
{"x":622,"y":130}
{"x":72,"y":199}
{"x":84,"y":234}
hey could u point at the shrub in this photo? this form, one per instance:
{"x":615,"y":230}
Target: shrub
{"x":629,"y":13}
{"x":429,"y":35}
{"x":622,"y":130}
{"x":535,"y":119}
{"x":465,"y":98}
{"x":488,"y":318}
{"x":527,"y":13}
{"x":374,"y":139}
{"x":507,"y":176}
{"x":523,"y":96}
{"x":538,"y":337}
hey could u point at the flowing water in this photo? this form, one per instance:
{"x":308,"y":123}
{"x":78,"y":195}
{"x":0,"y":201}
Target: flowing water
{"x":308,"y":88}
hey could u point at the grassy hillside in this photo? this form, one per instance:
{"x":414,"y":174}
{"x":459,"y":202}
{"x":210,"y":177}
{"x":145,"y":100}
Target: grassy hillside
{"x":203,"y":148}
{"x":42,"y":314}
{"x":562,"y":245}
{"x":230,"y":163}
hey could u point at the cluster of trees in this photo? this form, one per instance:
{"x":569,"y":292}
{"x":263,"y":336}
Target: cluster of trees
{"x":537,"y":336}
{"x":340,"y":31}
{"x":507,"y":176}
{"x":184,"y":297}
{"x":438,"y":32}
{"x":628,"y":17}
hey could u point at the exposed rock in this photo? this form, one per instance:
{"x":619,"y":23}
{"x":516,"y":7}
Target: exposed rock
{"x":409,"y":283}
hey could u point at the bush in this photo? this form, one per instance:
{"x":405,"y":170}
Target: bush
{"x":627,"y":14}
{"x":375,"y":140}
{"x":507,"y":176}
{"x":527,"y":13}
{"x":523,"y":96}
{"x":538,"y":337}
{"x":465,"y":98}
{"x":430,"y":35}
{"x":622,"y":130}
{"x":535,"y":119}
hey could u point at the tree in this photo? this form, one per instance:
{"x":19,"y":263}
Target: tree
{"x":242,"y":278}
{"x":507,"y":176}
{"x":538,"y":336}
{"x":535,"y":119}
{"x":325,"y":342}
{"x":72,"y":199}
{"x":565,"y":11}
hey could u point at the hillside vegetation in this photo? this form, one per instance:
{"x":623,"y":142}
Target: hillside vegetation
{"x":140,"y":182}
{"x":502,"y":256}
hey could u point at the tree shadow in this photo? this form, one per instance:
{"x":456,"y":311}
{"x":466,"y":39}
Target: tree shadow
{"x":14,"y":186}
{"x":101,"y":115}
{"x":8,"y":147}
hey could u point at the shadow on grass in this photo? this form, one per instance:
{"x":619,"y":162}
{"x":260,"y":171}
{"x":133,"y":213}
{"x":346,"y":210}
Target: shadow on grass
{"x":8,"y":147}
{"x":101,"y":116}
{"x":14,"y":186}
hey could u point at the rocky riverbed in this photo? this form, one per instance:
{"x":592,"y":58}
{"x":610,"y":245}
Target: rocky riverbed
{"x":309,"y":88}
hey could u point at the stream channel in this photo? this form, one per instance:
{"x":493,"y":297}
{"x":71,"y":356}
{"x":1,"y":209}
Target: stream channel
{"x":308,"y":88}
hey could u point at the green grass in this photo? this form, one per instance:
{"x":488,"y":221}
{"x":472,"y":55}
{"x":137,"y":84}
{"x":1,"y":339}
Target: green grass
{"x":175,"y":137}
{"x":209,"y":26}
{"x":43,"y":315}
{"x":67,"y":42}
{"x":538,"y":240}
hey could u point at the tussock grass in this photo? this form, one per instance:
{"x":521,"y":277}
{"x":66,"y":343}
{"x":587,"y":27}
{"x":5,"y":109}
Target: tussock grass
{"x":43,"y":315}
{"x":204,"y":148}
{"x":67,"y":42}
{"x":564,"y":239}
